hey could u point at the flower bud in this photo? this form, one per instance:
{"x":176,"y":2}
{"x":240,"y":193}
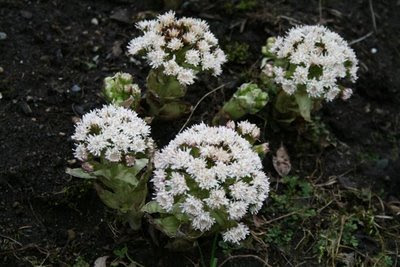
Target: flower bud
{"x":87,"y":167}
{"x":231,"y":125}
{"x":130,"y":160}
{"x":346,"y":93}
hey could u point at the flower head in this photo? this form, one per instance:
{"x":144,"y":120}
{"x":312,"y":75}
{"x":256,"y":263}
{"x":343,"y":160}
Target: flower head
{"x":211,"y":173}
{"x":114,"y":133}
{"x":319,"y":60}
{"x":167,"y":38}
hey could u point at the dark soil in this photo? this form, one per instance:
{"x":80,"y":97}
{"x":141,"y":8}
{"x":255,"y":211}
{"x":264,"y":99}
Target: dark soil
{"x":48,"y":218}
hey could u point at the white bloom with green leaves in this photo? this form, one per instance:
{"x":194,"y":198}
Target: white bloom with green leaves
{"x":314,"y":59}
{"x":212,"y":177}
{"x":111,"y":132}
{"x":116,"y":149}
{"x":180,"y":47}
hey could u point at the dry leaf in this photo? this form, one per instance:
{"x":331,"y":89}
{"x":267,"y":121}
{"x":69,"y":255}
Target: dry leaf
{"x":281,"y":161}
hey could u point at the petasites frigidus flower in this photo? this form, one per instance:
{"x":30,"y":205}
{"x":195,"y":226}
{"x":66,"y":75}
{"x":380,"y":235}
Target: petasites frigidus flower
{"x":210,"y":178}
{"x":176,"y":50}
{"x":180,"y":47}
{"x":116,"y":151}
{"x":313,"y":59}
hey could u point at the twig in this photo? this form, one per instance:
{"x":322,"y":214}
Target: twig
{"x":336,"y":252}
{"x":281,"y":217}
{"x":12,"y":239}
{"x":198,"y":103}
{"x":372,"y":15}
{"x":361,"y":38}
{"x":244,"y":256}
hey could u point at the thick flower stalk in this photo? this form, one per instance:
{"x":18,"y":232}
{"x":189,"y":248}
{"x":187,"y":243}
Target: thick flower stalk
{"x":115,"y":149}
{"x":176,"y":50}
{"x":121,"y":91}
{"x":207,"y":180}
{"x":248,"y":99}
{"x":311,"y":64}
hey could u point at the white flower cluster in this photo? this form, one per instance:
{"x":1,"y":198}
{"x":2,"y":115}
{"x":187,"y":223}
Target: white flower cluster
{"x":115,"y":133}
{"x":208,"y":172}
{"x":178,"y":46}
{"x":321,"y":59}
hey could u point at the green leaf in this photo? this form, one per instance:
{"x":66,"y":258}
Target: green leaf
{"x":134,"y":218}
{"x":164,"y":86}
{"x":108,"y":198}
{"x":169,"y":225}
{"x":305,"y":104}
{"x":284,"y":103}
{"x":139,"y":165}
{"x":152,"y":207}
{"x":78,"y":172}
{"x":173,"y":110}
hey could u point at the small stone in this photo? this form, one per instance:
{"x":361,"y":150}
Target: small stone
{"x":61,"y":133}
{"x":382,"y":164}
{"x":15,"y":204}
{"x":75,"y":119}
{"x":26,"y":14}
{"x":71,"y":234}
{"x":71,"y":161}
{"x":3,"y":36}
{"x":116,"y":49}
{"x":121,"y":15}
{"x":44,"y":58}
{"x":25,"y":108}
{"x":95,"y":21}
{"x":374,"y":50}
{"x":1,"y":70}
{"x":78,"y":109}
{"x":1,"y":95}
{"x":75,"y":88}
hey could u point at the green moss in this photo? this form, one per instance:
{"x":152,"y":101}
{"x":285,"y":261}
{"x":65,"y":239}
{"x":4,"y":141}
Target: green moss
{"x":237,"y":52}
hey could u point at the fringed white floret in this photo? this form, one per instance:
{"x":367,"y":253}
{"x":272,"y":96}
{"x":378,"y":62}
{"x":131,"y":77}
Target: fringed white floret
{"x":178,"y":46}
{"x":236,"y":234}
{"x":211,"y":173}
{"x":319,"y":58}
{"x":111,"y":132}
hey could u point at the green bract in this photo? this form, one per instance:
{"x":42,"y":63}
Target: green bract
{"x":248,"y":99}
{"x":121,"y":91}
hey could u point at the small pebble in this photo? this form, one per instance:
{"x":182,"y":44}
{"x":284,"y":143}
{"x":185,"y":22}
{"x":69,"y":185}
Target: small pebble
{"x":75,"y":88}
{"x":26,"y":14}
{"x":61,"y":133}
{"x":3,"y":35}
{"x":95,"y":21}
{"x":25,"y":108}
{"x":1,"y":70}
{"x":71,"y":234}
{"x":71,"y":161}
{"x":374,"y":50}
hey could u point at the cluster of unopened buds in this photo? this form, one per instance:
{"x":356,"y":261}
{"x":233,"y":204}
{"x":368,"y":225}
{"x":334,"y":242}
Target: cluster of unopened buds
{"x":122,"y":91}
